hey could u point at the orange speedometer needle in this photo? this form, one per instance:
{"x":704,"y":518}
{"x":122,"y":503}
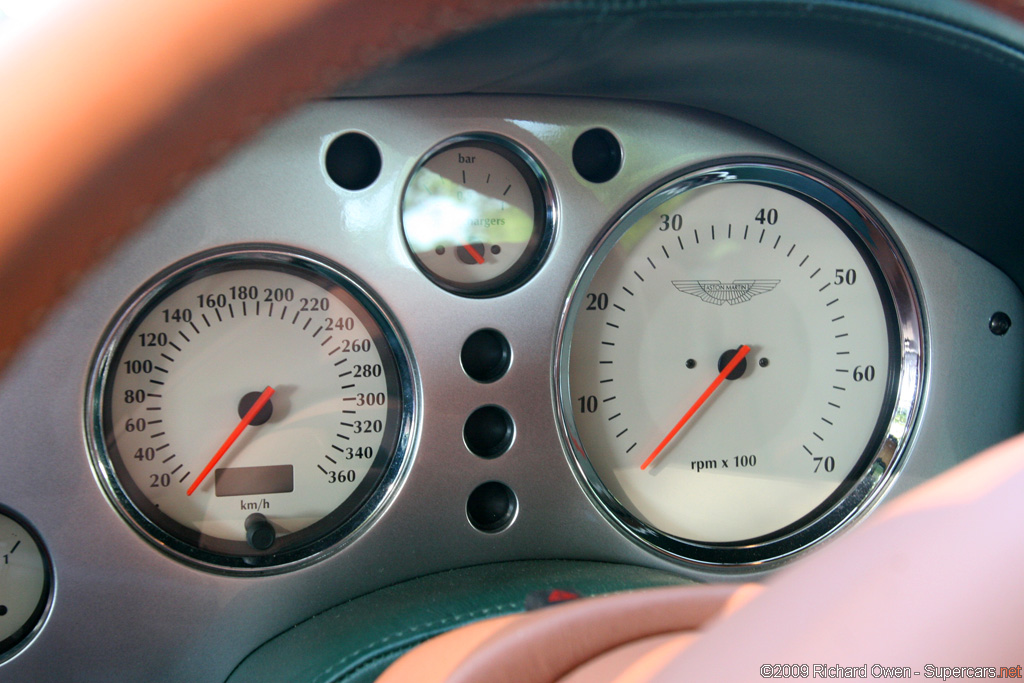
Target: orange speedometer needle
{"x":741,"y":353}
{"x":474,"y":253}
{"x":249,"y":416}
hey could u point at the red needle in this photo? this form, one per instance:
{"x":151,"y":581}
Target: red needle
{"x":741,"y":353}
{"x":474,"y":253}
{"x":249,"y":416}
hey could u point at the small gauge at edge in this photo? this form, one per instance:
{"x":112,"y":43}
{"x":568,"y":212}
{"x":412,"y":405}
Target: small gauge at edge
{"x":26,"y":583}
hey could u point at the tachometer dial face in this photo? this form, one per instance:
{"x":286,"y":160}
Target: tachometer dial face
{"x":739,"y":364}
{"x":477,"y":216}
{"x":251,"y":408}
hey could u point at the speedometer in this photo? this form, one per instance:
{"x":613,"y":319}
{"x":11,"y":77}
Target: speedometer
{"x":739,"y":364}
{"x":250,"y":408}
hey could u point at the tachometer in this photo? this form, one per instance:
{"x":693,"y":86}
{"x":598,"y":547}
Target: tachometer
{"x":250,"y":408}
{"x":739,"y":364}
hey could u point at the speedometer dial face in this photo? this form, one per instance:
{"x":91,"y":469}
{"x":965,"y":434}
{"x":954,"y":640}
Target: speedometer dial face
{"x":251,"y":409}
{"x":739,"y":365}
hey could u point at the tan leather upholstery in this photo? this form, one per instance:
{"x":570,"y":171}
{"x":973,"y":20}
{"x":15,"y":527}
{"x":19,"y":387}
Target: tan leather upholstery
{"x":546,"y":644}
{"x":111,"y":106}
{"x":1013,"y":8}
{"x":933,"y":579}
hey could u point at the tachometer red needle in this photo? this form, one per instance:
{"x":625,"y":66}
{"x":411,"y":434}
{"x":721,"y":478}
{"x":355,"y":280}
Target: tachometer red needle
{"x":249,"y":416}
{"x":741,"y":353}
{"x":474,"y":253}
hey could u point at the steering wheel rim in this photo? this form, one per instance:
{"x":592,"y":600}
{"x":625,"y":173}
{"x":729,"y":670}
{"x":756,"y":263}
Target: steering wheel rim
{"x":96,"y":141}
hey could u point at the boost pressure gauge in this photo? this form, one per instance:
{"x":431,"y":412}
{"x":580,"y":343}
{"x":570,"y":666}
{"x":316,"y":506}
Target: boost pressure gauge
{"x":477,"y":216}
{"x":250,"y":408}
{"x":740,"y":364}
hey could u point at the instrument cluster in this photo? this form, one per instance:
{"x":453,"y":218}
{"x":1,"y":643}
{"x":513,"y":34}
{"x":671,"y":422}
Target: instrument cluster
{"x":394,"y":337}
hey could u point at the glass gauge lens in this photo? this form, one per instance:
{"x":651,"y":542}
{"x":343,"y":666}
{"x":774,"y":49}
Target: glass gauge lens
{"x":739,"y":364}
{"x":251,"y":408}
{"x":477,"y":217}
{"x":25,"y":582}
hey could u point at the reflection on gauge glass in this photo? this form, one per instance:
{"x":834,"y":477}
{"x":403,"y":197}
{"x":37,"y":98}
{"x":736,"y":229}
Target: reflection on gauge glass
{"x":739,"y":365}
{"x":250,"y":408}
{"x":26,"y":582}
{"x":477,"y":216}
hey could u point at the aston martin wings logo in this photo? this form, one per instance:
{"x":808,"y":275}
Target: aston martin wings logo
{"x":717,"y":292}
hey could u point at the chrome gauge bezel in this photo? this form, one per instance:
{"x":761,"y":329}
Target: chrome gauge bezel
{"x":328,"y":538}
{"x":885,"y":453}
{"x":545,"y":215}
{"x":14,"y":645}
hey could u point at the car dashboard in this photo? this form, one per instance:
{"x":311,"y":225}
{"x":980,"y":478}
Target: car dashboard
{"x":122,"y":598}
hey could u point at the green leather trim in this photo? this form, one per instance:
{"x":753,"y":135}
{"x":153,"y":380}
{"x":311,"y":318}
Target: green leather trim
{"x":357,"y":640}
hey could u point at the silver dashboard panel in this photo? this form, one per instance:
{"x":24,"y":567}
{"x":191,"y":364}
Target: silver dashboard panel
{"x":123,"y":609}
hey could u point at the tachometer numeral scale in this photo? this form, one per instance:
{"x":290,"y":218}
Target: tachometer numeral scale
{"x":250,"y":407}
{"x":731,"y":365}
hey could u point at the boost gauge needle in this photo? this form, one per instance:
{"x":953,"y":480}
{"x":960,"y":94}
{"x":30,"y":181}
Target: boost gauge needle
{"x":474,"y":253}
{"x":741,"y":353}
{"x":249,"y":416}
